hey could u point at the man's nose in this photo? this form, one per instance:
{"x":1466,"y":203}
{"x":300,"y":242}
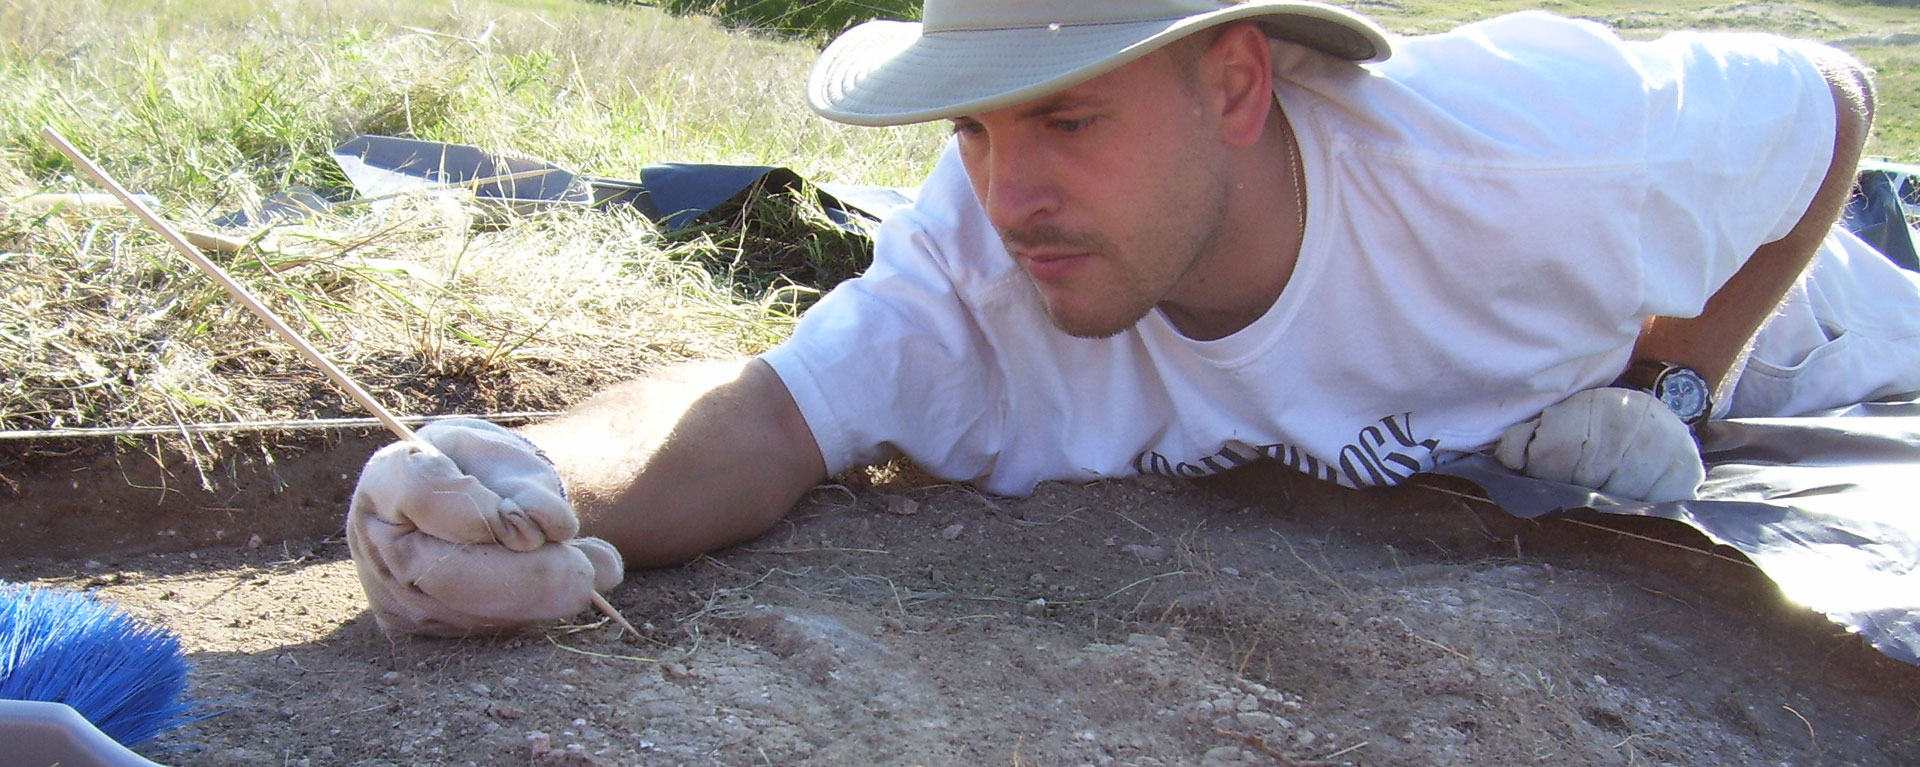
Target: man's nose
{"x":1021,"y":190}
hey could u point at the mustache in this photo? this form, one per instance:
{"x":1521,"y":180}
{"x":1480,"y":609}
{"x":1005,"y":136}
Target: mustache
{"x":1050,"y":236}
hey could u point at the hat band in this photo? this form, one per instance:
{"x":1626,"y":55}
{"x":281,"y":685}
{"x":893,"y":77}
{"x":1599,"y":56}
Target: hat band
{"x":970,"y":15}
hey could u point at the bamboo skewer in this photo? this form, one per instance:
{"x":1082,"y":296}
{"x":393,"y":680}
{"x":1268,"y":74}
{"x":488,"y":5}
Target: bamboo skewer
{"x":266,"y":315}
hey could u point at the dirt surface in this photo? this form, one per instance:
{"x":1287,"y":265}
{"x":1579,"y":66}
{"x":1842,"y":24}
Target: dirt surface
{"x":1257,"y":620}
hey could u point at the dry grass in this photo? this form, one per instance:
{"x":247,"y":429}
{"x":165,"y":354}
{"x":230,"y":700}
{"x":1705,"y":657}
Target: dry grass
{"x":410,"y":299}
{"x":214,"y":106}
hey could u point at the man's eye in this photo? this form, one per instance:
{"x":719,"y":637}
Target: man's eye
{"x":1072,"y":126}
{"x":968,"y":127}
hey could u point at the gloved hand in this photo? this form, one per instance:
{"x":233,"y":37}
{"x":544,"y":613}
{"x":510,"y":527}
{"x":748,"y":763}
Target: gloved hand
{"x":1623,"y":442}
{"x":470,"y":533}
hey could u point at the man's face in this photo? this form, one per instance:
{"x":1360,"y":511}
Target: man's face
{"x":1108,"y":194}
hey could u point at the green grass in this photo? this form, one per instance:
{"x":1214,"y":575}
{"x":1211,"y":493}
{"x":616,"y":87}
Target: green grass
{"x":212,"y":104}
{"x":1896,"y":129}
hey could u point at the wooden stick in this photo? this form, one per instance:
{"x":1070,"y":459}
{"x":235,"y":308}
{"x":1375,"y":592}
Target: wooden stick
{"x":600,"y":603}
{"x":266,"y":315}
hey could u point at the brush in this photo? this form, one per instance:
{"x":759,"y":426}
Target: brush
{"x":124,"y":678}
{"x":266,"y":315}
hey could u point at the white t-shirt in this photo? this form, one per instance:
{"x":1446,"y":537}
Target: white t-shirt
{"x":1491,"y":213}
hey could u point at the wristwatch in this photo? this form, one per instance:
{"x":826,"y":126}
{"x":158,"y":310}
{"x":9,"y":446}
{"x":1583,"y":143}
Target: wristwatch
{"x":1679,"y":386}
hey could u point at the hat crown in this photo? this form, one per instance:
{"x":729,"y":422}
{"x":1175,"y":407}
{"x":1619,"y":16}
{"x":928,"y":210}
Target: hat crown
{"x":962,"y":15}
{"x":971,"y":56}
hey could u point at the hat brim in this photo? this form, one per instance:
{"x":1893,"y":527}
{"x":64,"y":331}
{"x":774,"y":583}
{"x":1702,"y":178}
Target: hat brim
{"x":889,"y":73}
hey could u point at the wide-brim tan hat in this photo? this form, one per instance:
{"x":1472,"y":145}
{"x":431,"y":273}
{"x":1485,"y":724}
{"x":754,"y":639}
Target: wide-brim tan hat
{"x":971,"y":56}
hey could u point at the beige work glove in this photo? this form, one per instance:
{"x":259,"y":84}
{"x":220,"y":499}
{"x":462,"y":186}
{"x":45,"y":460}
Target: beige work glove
{"x":1622,"y":442}
{"x":470,"y":533}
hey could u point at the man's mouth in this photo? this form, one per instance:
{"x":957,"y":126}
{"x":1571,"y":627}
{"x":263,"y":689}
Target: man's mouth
{"x":1052,"y":266}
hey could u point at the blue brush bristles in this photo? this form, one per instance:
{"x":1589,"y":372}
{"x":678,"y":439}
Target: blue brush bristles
{"x":127,"y":677}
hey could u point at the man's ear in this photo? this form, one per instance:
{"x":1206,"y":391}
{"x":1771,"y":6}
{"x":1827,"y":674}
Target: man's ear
{"x":1240,"y":59}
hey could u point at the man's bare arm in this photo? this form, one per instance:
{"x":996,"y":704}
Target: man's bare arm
{"x":695,"y":458}
{"x":1715,"y":341}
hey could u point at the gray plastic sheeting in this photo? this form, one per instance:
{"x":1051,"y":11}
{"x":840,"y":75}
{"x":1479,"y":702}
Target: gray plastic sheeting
{"x":674,"y":194}
{"x":1824,"y":505}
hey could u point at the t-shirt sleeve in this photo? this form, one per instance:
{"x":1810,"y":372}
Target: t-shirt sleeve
{"x":892,"y":362}
{"x":1740,"y":132}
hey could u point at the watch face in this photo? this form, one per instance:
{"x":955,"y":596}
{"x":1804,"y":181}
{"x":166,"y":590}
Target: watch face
{"x":1685,"y":393}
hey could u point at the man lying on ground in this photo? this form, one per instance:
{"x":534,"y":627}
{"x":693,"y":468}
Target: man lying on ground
{"x":1176,"y":236}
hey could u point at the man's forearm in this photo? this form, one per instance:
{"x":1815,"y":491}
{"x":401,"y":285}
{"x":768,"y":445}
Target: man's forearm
{"x":1714,"y":342}
{"x":699,"y":457}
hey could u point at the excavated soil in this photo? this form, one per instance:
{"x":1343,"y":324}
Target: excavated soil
{"x":1260,"y":619}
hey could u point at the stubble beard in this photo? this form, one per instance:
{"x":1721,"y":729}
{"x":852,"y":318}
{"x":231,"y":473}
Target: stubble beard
{"x":1116,"y":310}
{"x":1138,"y":283}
